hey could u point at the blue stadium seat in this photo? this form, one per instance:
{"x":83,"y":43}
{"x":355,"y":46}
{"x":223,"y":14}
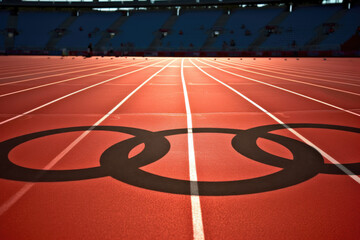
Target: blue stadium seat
{"x":241,"y":21}
{"x":35,"y":28}
{"x":300,"y":26}
{"x":139,"y":30}
{"x":195,"y":26}
{"x":4,"y":15}
{"x":347,"y":27}
{"x":86,"y":29}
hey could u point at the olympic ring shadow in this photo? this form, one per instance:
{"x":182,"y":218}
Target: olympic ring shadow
{"x":114,"y":162}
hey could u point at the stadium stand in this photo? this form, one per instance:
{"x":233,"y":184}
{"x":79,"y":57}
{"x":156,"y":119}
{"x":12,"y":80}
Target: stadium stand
{"x":190,"y":30}
{"x":4,"y":15}
{"x":35,"y":28}
{"x":86,"y":29}
{"x":139,"y":30}
{"x":298,"y":28}
{"x":244,"y":26}
{"x":197,"y":30}
{"x":344,"y":29}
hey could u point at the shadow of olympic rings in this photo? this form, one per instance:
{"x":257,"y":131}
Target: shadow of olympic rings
{"x":114,"y":161}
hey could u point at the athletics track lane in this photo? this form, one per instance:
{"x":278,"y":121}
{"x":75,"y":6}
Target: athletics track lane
{"x":323,"y":207}
{"x":115,"y":210}
{"x":109,"y":200}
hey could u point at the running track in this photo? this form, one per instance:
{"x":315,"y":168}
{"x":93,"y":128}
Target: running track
{"x":101,"y":182}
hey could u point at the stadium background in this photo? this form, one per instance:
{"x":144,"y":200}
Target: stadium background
{"x":180,"y":28}
{"x":178,"y":147}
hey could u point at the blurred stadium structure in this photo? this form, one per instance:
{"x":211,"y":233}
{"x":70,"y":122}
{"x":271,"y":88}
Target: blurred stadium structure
{"x":181,"y":27}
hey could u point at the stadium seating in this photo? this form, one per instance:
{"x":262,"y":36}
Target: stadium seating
{"x":3,"y":25}
{"x":139,"y":29}
{"x":345,"y":28}
{"x":269,"y":28}
{"x":244,"y":25}
{"x":299,"y":27}
{"x":86,"y":29}
{"x":191,"y":29}
{"x":35,"y":28}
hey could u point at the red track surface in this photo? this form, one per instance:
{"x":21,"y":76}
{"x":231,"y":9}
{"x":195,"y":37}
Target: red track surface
{"x":311,"y":91}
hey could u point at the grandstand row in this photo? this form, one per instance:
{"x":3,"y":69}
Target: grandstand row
{"x":240,"y":30}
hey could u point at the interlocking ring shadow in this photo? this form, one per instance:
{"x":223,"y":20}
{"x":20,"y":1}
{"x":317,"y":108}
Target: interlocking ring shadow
{"x":114,"y":162}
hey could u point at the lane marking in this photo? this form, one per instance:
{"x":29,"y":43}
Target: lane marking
{"x":306,"y":71}
{"x":324,"y":73}
{"x":18,"y":195}
{"x":323,"y":153}
{"x":305,"y":75}
{"x":59,"y":74}
{"x":198,"y":229}
{"x":293,"y":80}
{"x":34,"y":66}
{"x":65,"y":80}
{"x":82,"y":65}
{"x":286,"y":90}
{"x":73,"y":93}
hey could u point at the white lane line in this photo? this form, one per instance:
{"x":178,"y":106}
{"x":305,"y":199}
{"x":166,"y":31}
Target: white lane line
{"x":307,"y":71}
{"x":73,"y":93}
{"x":18,"y":195}
{"x":198,"y":229}
{"x":91,"y":67}
{"x":66,"y":80}
{"x":284,"y":72}
{"x":286,"y":90}
{"x":63,"y":68}
{"x":293,"y":80}
{"x":323,"y":153}
{"x":12,"y":67}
